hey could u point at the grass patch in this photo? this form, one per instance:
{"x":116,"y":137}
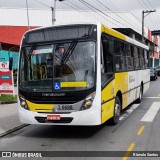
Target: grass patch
{"x":8,"y":98}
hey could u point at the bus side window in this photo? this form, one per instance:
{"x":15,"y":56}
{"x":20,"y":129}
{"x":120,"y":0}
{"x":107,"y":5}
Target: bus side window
{"x":146,"y":58}
{"x":141,"y":56}
{"x":107,"y":60}
{"x":136,"y":58}
{"x":120,"y":61}
{"x":129,"y":57}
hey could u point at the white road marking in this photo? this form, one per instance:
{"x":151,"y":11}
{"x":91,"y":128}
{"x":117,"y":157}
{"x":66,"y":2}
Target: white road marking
{"x":151,"y":113}
{"x":123,"y":116}
{"x":128,"y":112}
{"x":152,"y":97}
{"x":1,"y":130}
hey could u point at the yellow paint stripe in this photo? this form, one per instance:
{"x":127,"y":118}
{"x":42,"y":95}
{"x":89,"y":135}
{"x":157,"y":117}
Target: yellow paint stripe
{"x":39,"y":107}
{"x":113,"y":32}
{"x":73,"y":84}
{"x":125,"y":157}
{"x":140,"y":131}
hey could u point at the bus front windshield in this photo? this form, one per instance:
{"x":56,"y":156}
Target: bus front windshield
{"x":57,"y":67}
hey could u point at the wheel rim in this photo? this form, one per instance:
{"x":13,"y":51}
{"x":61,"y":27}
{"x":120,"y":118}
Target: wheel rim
{"x":140,"y":94}
{"x":117,"y":111}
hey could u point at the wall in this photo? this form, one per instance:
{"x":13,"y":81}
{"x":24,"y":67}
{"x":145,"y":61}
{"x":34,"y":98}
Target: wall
{"x":4,"y":54}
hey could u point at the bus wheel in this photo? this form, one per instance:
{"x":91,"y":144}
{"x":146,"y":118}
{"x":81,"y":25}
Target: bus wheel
{"x":140,"y":96}
{"x":117,"y":111}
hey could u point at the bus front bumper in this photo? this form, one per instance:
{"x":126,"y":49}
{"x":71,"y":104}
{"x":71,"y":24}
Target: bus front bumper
{"x":89,"y":117}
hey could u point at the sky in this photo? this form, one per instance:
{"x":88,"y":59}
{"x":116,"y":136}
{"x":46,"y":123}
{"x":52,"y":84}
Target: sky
{"x":135,"y":7}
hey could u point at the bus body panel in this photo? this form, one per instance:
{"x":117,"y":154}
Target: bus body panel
{"x":88,"y":117}
{"x":127,"y":83}
{"x":109,"y":93}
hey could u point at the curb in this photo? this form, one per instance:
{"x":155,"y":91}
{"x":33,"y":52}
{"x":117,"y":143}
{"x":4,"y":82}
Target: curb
{"x":10,"y":102}
{"x":13,"y":130}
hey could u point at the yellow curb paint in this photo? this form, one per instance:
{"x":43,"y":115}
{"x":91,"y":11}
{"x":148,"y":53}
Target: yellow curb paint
{"x":140,"y":131}
{"x":130,"y":148}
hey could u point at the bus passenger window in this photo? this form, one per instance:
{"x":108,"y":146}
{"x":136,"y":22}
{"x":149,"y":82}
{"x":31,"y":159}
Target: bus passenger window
{"x":146,"y":57}
{"x":136,"y":58}
{"x":120,"y":62}
{"x":141,"y":54}
{"x":129,"y":57}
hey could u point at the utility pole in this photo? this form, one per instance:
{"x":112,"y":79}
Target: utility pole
{"x":27,"y":14}
{"x":53,"y":11}
{"x":143,"y":16}
{"x":53,"y":15}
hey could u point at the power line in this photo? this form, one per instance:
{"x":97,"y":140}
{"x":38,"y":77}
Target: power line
{"x":123,"y":18}
{"x":43,"y":4}
{"x":109,"y":4}
{"x":75,"y":5}
{"x":71,"y":6}
{"x":117,"y":14}
{"x":145,"y":3}
{"x":146,"y":7}
{"x":104,"y":17}
{"x":156,"y":12}
{"x":86,"y":3}
{"x":141,"y":4}
{"x":97,"y":13}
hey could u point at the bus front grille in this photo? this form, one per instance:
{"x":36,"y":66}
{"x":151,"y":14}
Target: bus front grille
{"x":62,"y":120}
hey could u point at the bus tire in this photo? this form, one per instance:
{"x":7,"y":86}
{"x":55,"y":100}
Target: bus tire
{"x":139,"y":100}
{"x":117,"y":111}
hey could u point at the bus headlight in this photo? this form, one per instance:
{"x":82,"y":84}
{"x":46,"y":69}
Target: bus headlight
{"x":23,"y":103}
{"x":88,"y":102}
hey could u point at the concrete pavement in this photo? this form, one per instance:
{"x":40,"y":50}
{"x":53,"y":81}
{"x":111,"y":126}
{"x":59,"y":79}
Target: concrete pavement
{"x":9,"y":119}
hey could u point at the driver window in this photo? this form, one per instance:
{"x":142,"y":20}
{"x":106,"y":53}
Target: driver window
{"x":106,"y":60}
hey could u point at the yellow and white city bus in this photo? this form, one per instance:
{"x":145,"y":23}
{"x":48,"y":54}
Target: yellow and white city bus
{"x":79,"y":74}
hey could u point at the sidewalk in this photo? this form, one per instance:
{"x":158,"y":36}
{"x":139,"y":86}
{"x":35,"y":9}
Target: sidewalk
{"x":9,"y":119}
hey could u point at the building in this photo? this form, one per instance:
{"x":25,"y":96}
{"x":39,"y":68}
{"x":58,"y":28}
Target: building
{"x":13,"y":24}
{"x":154,"y":58}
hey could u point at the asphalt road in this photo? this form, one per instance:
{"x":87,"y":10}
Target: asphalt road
{"x":138,"y":130}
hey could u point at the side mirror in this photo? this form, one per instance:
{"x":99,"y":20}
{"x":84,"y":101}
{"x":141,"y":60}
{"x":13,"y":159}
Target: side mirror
{"x":10,"y":63}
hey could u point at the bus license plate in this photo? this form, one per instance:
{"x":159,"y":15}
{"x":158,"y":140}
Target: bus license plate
{"x":53,"y":117}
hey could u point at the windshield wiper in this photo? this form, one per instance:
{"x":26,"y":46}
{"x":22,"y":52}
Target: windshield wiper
{"x":69,"y":51}
{"x":28,"y":59}
{"x":31,"y":51}
{"x":67,"y":54}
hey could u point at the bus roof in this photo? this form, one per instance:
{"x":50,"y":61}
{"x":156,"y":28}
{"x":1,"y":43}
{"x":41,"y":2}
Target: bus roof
{"x":105,"y":29}
{"x":123,"y":37}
